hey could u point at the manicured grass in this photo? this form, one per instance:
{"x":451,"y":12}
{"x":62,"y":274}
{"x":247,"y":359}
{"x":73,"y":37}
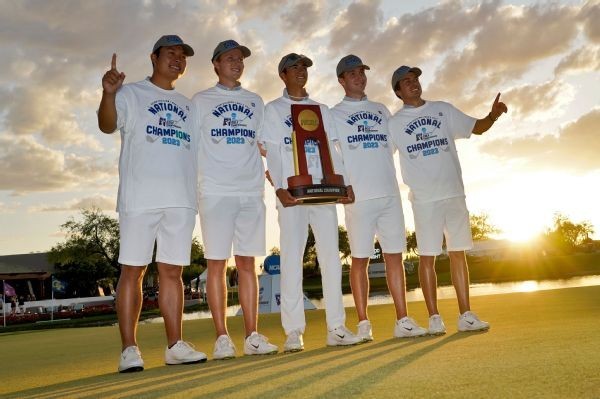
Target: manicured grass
{"x":541,"y":344}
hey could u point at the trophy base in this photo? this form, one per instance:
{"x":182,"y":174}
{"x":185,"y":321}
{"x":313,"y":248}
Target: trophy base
{"x":318,"y":193}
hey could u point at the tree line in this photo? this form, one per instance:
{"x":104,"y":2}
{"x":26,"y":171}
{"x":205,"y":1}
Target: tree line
{"x":88,"y":257}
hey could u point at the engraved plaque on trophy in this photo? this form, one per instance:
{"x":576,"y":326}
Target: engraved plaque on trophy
{"x":307,"y":122}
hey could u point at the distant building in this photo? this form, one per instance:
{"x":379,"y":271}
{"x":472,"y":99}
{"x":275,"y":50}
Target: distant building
{"x":29,"y":274}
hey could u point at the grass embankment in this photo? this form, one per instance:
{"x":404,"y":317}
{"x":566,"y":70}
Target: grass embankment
{"x":541,"y":344}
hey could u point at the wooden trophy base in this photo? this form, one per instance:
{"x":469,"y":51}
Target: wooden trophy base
{"x":330,"y":191}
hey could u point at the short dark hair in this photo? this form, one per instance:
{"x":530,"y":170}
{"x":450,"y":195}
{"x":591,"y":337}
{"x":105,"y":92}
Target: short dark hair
{"x":156,"y":53}
{"x":396,"y":88}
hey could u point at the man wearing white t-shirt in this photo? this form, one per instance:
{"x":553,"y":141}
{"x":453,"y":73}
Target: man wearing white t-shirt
{"x":231,"y":190}
{"x":294,"y":219}
{"x":157,"y":196}
{"x":424,"y":132}
{"x":368,"y":151}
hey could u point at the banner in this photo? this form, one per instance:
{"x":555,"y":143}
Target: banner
{"x":9,"y":290}
{"x":58,"y":286}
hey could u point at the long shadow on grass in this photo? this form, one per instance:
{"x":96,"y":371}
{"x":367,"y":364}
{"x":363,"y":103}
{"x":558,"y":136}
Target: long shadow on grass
{"x":363,"y":384}
{"x":157,"y":382}
{"x":391,"y":346}
{"x":295,"y":377}
{"x":175,"y":379}
{"x":167,"y":376}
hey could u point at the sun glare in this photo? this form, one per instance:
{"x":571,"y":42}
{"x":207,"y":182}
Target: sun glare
{"x":527,"y":286}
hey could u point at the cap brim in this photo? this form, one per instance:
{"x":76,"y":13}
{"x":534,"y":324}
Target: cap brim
{"x":416,"y":71}
{"x":339,"y":74}
{"x":245,"y":52}
{"x":187,"y":50}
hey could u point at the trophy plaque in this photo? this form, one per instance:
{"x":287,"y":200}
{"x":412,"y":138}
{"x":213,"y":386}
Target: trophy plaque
{"x":307,"y":122}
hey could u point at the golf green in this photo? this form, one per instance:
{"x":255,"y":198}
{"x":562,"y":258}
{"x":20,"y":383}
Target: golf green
{"x":541,"y":344}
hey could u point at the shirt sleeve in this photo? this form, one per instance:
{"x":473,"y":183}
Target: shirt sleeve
{"x":461,"y":124}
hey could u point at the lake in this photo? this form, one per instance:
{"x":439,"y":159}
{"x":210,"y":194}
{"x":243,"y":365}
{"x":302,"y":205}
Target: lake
{"x":443,"y":293}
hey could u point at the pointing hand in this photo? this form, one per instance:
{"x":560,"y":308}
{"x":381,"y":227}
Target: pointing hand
{"x":113,"y":79}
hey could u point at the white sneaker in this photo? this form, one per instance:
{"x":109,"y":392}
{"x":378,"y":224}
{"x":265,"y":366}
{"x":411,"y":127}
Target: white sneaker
{"x":406,"y":327}
{"x":131,"y":360}
{"x":183,"y":353}
{"x":365,"y":332}
{"x":294,"y":342}
{"x":341,"y":336}
{"x":224,"y":348}
{"x":436,"y":325}
{"x":258,"y":344}
{"x":469,"y":321}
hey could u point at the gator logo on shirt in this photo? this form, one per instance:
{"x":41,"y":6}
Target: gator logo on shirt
{"x":169,"y":124}
{"x":235,"y":117}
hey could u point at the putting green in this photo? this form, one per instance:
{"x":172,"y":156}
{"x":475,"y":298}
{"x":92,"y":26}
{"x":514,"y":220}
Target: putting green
{"x":541,"y":344}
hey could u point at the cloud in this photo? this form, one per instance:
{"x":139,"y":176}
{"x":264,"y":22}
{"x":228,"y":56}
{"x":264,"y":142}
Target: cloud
{"x":49,"y":112}
{"x":9,"y":208}
{"x":356,"y":24}
{"x":27,"y":166}
{"x":303,"y":18}
{"x":98,"y":201}
{"x":502,"y":49}
{"x":480,"y":47}
{"x":575,"y":148}
{"x":586,"y":58}
{"x":539,"y":102}
{"x":590,"y":15}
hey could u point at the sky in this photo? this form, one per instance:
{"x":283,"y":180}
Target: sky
{"x":541,"y":158}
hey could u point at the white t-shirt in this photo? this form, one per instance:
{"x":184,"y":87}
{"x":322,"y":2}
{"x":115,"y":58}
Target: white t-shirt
{"x":229,"y":160}
{"x":425,"y":138}
{"x":277,"y":134}
{"x":367,"y":149}
{"x":158,"y":162}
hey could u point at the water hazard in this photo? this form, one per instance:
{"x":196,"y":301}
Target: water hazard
{"x":443,"y":293}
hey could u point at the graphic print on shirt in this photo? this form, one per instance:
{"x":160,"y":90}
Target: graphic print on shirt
{"x":311,"y":151}
{"x":168,"y":126}
{"x":366,"y":124}
{"x":234,"y":127}
{"x":425,"y":130}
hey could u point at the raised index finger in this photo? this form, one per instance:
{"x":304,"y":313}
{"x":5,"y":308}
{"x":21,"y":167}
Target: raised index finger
{"x":113,"y":62}
{"x":497,"y":99}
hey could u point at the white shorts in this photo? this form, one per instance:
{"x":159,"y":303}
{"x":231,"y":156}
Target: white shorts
{"x":448,"y":217}
{"x":227,"y":220}
{"x":380,"y":216}
{"x":171,"y":228}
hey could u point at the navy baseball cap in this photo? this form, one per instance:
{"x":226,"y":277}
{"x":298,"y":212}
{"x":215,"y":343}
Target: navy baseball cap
{"x":401,"y":72}
{"x":348,"y":63}
{"x":228,"y":45}
{"x":293,"y":59}
{"x":173,"y":40}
